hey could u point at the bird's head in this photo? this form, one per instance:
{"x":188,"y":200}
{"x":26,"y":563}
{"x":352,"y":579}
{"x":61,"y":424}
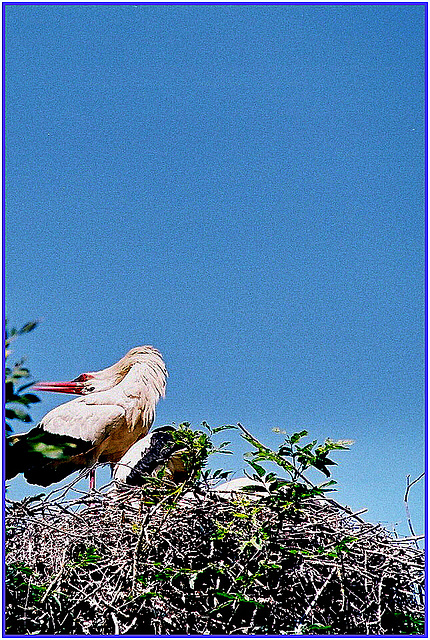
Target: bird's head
{"x":108,"y":378}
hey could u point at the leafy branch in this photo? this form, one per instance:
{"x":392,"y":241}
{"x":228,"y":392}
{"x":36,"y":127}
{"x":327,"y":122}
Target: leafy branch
{"x":295,"y":459}
{"x":14,"y":375}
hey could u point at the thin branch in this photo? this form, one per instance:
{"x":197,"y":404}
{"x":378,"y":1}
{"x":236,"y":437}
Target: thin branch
{"x":411,"y":484}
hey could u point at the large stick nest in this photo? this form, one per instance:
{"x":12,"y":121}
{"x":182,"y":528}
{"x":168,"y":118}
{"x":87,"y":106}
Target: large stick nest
{"x":110,"y":563}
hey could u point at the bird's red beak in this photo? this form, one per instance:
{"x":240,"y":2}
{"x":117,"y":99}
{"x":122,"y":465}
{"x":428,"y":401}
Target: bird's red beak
{"x":74,"y":386}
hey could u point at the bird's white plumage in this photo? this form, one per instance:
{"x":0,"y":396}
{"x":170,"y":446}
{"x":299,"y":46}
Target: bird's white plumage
{"x":237,"y":487}
{"x":130,"y":459}
{"x":82,"y":420}
{"x":117,"y":408}
{"x":129,"y":406}
{"x":136,"y":388}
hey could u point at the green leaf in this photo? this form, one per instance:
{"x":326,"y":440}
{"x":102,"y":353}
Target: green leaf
{"x":17,"y":414}
{"x":29,"y":326}
{"x":221,"y":474}
{"x":29,"y":398}
{"x":89,"y":556}
{"x":239,"y":597}
{"x":223,"y":428}
{"x":318,"y":627}
{"x":25,"y":399}
{"x":260,"y":470}
{"x":327,"y":484}
{"x":271,"y":477}
{"x":253,"y":488}
{"x":297,"y":436}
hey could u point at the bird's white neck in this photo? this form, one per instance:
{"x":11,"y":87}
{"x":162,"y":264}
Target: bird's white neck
{"x":143,"y":381}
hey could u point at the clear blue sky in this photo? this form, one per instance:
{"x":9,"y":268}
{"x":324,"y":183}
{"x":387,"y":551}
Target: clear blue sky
{"x":242,"y":187}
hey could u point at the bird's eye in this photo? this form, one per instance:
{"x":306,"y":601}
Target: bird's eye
{"x":82,"y":378}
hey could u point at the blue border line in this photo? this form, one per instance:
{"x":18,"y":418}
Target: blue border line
{"x":426,"y":279}
{"x":3,"y":492}
{"x":219,"y":635}
{"x":197,"y":3}
{"x":426,"y":326}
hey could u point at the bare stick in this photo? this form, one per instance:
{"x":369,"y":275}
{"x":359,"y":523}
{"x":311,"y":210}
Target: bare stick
{"x":405,"y":499}
{"x":315,"y":598}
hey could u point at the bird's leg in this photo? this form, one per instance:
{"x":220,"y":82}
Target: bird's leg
{"x":92,"y":479}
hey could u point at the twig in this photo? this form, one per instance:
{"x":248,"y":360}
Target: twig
{"x":143,"y":533}
{"x":411,"y":484}
{"x":405,"y":499}
{"x":315,"y":598}
{"x":55,"y":579}
{"x":116,"y":623}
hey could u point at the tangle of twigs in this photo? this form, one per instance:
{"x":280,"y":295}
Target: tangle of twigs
{"x":110,"y":563}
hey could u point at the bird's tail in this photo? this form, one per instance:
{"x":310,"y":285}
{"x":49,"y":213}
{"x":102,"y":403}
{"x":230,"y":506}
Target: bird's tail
{"x":43,"y":457}
{"x":15,"y":446}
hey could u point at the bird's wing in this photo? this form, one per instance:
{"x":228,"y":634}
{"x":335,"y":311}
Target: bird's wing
{"x":89,"y":422}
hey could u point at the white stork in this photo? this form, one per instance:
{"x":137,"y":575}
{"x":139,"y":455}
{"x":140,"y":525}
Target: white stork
{"x":156,"y":450}
{"x":116,"y":409}
{"x":241,"y":488}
